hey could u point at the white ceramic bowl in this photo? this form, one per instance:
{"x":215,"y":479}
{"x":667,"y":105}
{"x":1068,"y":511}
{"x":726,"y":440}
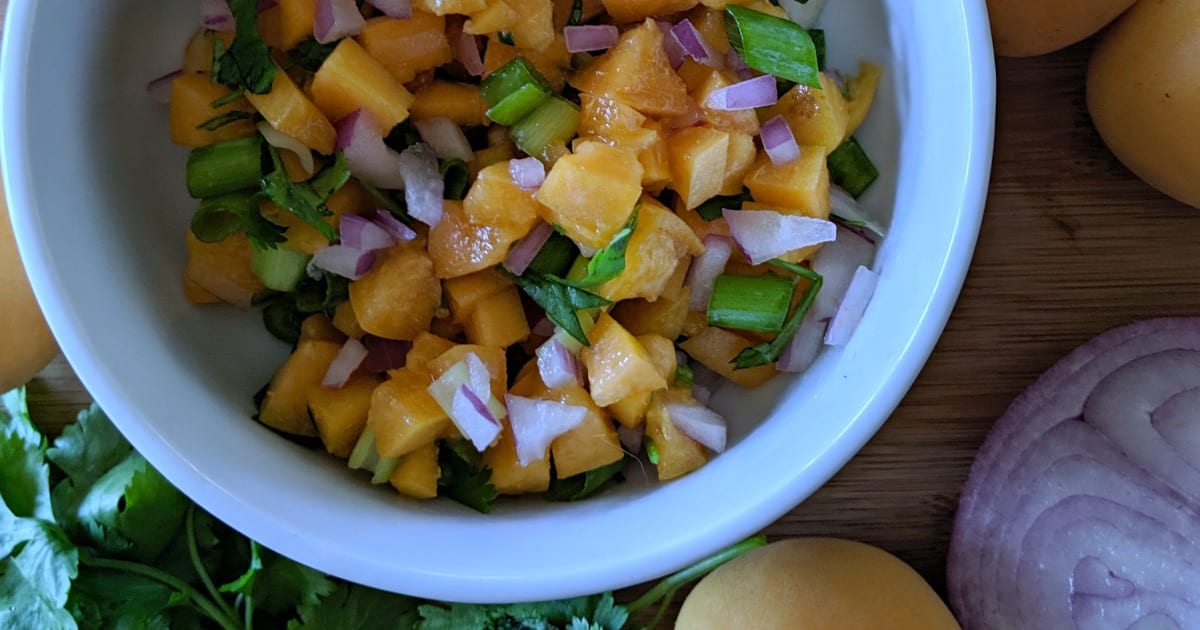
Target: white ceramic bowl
{"x":98,"y":203}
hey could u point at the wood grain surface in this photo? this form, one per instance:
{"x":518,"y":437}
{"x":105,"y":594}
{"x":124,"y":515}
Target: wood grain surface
{"x":1072,"y":244}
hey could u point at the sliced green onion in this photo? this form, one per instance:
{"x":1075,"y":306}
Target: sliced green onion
{"x":850,"y":168}
{"x":224,"y":167}
{"x":773,"y":45}
{"x":365,"y":456}
{"x":555,"y":257}
{"x":279,"y":268}
{"x":685,"y":376}
{"x":220,"y":217}
{"x":758,"y":303}
{"x":332,"y":178}
{"x":770,"y":351}
{"x":651,"y":450}
{"x":518,"y":105}
{"x":553,"y":122}
{"x":818,"y":38}
{"x":509,"y":80}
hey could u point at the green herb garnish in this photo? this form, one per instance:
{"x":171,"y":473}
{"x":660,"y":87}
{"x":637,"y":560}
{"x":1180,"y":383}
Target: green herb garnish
{"x":309,"y":54}
{"x":608,"y":263}
{"x":464,"y":477}
{"x":247,"y":64}
{"x":773,"y":45}
{"x":458,"y":178}
{"x":850,"y":168}
{"x":586,"y":484}
{"x":770,"y":352}
{"x":711,"y":210}
{"x":561,"y":300}
{"x":299,"y":199}
{"x":216,"y":122}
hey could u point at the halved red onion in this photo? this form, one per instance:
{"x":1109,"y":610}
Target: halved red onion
{"x":388,"y":221}
{"x":361,"y":234}
{"x":160,"y":89}
{"x":675,"y":52}
{"x":590,"y":37}
{"x":394,"y":8}
{"x":424,"y":188}
{"x":445,"y":138}
{"x":344,"y":261}
{"x":844,"y":206}
{"x":749,"y":94}
{"x":557,"y":365}
{"x":360,"y":138}
{"x":699,"y":423}
{"x":473,"y":418}
{"x":778,"y":141}
{"x":281,"y":140}
{"x":385,"y":354}
{"x":336,"y":19}
{"x":536,"y":423}
{"x":525,"y":250}
{"x":765,"y":234}
{"x":215,"y":15}
{"x":344,"y":363}
{"x":466,"y":48}
{"x":527,"y":173}
{"x":631,"y":439}
{"x":1081,"y":509}
{"x":693,"y":43}
{"x":850,"y":311}
{"x":706,"y":267}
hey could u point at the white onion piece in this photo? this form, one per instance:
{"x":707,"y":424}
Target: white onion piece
{"x":765,"y":234}
{"x":693,"y":43}
{"x":344,"y":363}
{"x":394,"y":8}
{"x":424,"y":188}
{"x":466,"y":48}
{"x":557,"y":365}
{"x":527,"y":173}
{"x":525,"y":250}
{"x":844,"y":206}
{"x":850,"y":311}
{"x":281,"y":140}
{"x":536,"y":423}
{"x":344,"y":261}
{"x":778,"y":141}
{"x":160,"y":89}
{"x":675,"y":52}
{"x":336,"y":19}
{"x":393,"y":226}
{"x":361,"y":234}
{"x":706,"y":267}
{"x":804,"y":13}
{"x":216,"y":16}
{"x":590,"y":37}
{"x":360,"y":139}
{"x":445,"y":138}
{"x":749,"y":94}
{"x":699,"y":423}
{"x":473,"y":418}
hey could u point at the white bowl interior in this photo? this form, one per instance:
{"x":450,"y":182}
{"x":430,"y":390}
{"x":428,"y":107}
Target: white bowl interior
{"x":98,"y":202}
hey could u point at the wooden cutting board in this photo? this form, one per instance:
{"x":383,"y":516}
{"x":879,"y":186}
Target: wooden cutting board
{"x":1072,"y":244}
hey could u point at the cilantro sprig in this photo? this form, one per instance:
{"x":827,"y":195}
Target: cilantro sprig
{"x":247,"y":64}
{"x":562,"y":300}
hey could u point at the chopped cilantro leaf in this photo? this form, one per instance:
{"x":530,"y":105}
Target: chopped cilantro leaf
{"x":608,"y":263}
{"x":298,"y":199}
{"x":576,"y":16}
{"x":216,"y":122}
{"x":309,"y":54}
{"x":561,"y":300}
{"x":247,"y":64}
{"x":354,"y":607}
{"x":457,"y":177}
{"x":711,"y":210}
{"x":464,"y":477}
{"x":586,"y":484}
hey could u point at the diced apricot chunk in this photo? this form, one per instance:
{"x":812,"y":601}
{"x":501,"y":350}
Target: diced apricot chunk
{"x":399,"y":297}
{"x":352,"y":79}
{"x":617,"y":364}
{"x":591,"y":193}
{"x":637,"y":72}
{"x":407,"y":46}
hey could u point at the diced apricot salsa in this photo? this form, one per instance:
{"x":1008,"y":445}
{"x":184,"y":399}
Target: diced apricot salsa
{"x":512,"y":243}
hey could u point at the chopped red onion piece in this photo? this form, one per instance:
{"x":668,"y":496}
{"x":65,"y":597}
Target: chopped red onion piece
{"x":479,"y":379}
{"x":360,"y":138}
{"x":526,"y":249}
{"x":675,"y":52}
{"x":543,"y":328}
{"x":699,"y":423}
{"x":734,"y":62}
{"x":424,"y":188}
{"x":281,"y":140}
{"x":388,"y":221}
{"x":385,"y":354}
{"x":160,"y":89}
{"x":527,"y":173}
{"x":347,"y":360}
{"x":473,"y":418}
{"x":590,"y":37}
{"x":557,"y":365}
{"x":749,"y":94}
{"x":536,"y":423}
{"x":853,"y":305}
{"x":445,"y":138}
{"x":394,"y":8}
{"x":362,"y":234}
{"x":215,"y":15}
{"x":778,"y":141}
{"x":631,"y":439}
{"x":344,"y":261}
{"x":765,"y":234}
{"x":336,"y":19}
{"x":706,"y":267}
{"x":693,"y":43}
{"x":466,"y":48}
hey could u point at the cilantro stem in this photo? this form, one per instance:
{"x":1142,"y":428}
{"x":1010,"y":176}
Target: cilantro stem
{"x":664,"y":591}
{"x":203,"y":604}
{"x":194,"y":552}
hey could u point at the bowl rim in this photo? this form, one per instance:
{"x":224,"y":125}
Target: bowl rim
{"x":779,"y":498}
